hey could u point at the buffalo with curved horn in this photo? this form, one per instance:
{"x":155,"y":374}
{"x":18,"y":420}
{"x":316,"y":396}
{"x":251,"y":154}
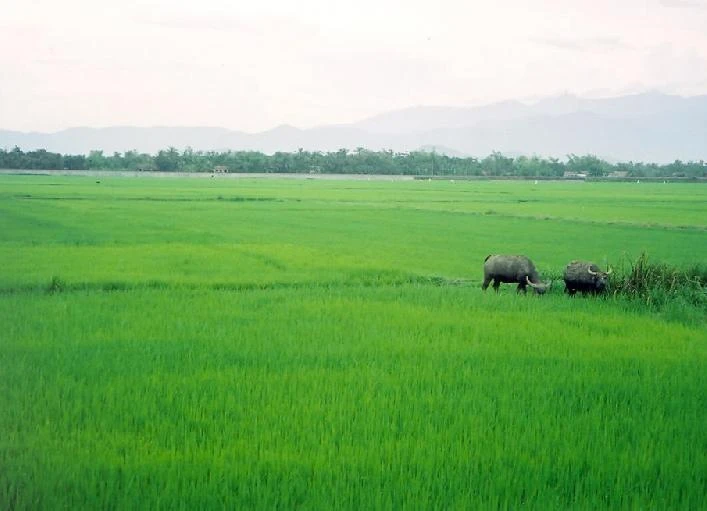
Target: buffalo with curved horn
{"x":516,"y":269}
{"x":585,"y":277}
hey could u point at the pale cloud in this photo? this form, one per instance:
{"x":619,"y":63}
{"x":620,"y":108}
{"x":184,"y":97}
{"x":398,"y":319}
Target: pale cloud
{"x":583,"y":45}
{"x":223,"y":23}
{"x":685,"y":3}
{"x":255,"y":65}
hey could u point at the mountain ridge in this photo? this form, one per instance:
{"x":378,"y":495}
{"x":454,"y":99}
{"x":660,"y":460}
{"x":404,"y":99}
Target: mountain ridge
{"x":650,"y":126}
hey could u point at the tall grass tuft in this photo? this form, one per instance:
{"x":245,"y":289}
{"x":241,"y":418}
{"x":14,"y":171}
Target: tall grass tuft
{"x":56,"y":285}
{"x":656,"y":284}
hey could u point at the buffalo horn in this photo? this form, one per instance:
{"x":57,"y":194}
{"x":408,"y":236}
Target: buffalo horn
{"x":527,"y":279}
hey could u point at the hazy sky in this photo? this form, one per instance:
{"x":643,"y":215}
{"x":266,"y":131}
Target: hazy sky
{"x":253,"y":65}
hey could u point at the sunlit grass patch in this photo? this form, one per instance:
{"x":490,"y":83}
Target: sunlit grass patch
{"x":279,"y":344}
{"x":353,"y":390}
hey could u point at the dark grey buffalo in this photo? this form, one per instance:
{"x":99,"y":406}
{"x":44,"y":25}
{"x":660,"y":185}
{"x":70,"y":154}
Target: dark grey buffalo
{"x":515,"y":269}
{"x":586,"y":277}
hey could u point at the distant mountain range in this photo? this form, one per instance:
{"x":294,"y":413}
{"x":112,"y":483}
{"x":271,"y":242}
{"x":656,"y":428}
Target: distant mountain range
{"x":650,"y":127}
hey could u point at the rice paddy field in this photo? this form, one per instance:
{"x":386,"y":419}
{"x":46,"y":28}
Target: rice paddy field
{"x":325,"y":344}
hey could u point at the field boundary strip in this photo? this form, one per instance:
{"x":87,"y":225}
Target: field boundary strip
{"x":380,"y":279}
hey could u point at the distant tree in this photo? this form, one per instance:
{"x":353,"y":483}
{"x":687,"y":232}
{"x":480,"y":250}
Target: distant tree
{"x":359,"y":161}
{"x":44,"y":160}
{"x":497,"y":165}
{"x":75,"y":162}
{"x":194,"y":161}
{"x":588,"y":164}
{"x":132,"y":160}
{"x":115,"y":162}
{"x":168,"y":161}
{"x":555,"y":167}
{"x":468,"y":166}
{"x":531,"y":167}
{"x":14,"y":159}
{"x":281,"y":162}
{"x":96,"y":160}
{"x":696,"y":169}
{"x":677,"y":169}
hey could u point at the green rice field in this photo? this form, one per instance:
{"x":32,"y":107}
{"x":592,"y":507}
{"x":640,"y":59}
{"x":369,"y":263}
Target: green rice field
{"x":185,"y":343}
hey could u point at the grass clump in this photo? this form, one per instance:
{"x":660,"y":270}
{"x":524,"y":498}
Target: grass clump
{"x":656,"y":284}
{"x":56,"y":285}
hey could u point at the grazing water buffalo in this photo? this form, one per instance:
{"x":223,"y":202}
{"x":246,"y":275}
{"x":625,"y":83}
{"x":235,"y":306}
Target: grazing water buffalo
{"x":512,"y":269}
{"x":586,"y":277}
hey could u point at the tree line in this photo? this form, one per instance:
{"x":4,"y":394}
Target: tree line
{"x":343,"y":161}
